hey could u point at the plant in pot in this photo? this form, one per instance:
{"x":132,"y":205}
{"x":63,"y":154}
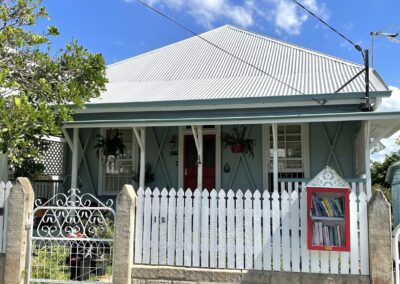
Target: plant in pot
{"x":103,"y":251}
{"x":110,"y":145}
{"x":237,"y":142}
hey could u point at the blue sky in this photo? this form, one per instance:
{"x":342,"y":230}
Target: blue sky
{"x":123,"y":28}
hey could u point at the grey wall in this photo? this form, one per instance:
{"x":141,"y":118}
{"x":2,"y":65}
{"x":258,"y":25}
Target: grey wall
{"x":319,"y":152}
{"x":239,"y":178}
{"x":2,"y":264}
{"x":87,"y":176}
{"x":166,"y":173}
{"x":344,"y":148}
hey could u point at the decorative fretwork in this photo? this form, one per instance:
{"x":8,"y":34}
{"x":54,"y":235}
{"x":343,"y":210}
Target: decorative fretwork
{"x":328,"y":178}
{"x":71,"y":239}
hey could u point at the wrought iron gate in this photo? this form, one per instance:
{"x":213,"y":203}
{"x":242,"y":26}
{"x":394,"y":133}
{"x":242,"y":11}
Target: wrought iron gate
{"x":71,"y":240}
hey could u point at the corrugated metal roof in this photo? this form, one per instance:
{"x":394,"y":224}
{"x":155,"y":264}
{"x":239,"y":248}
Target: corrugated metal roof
{"x":193,"y":69}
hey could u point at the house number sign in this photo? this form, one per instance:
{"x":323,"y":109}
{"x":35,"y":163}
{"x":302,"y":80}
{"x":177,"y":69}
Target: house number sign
{"x":163,"y":219}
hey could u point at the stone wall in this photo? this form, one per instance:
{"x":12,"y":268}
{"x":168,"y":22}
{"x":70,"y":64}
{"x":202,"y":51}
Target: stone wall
{"x":380,"y":238}
{"x":2,"y":265}
{"x":20,"y":207}
{"x":145,"y":274}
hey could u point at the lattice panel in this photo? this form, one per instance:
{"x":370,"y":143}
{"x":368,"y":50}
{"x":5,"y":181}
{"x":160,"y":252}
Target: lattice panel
{"x":54,"y":159}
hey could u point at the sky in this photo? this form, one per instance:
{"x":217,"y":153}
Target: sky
{"x":120,"y":29}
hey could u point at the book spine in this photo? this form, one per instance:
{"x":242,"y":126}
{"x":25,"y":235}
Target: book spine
{"x":334,"y":211}
{"x":322,"y":207}
{"x":321,"y":238}
{"x":328,"y":207}
{"x":316,"y":210}
{"x":316,"y":234}
{"x":338,"y":207}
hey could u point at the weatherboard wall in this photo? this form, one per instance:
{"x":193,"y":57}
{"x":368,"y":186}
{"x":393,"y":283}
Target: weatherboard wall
{"x":245,"y":171}
{"x":342,"y":157}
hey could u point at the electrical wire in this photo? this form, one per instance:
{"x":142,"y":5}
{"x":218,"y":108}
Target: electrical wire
{"x":356,"y":46}
{"x":216,"y":46}
{"x":320,"y":102}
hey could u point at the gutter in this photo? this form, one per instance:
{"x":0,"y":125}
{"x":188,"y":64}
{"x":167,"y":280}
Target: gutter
{"x":242,"y":119}
{"x":273,"y":101}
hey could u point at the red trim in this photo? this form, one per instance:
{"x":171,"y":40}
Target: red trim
{"x":209,"y":173}
{"x":345,"y":192}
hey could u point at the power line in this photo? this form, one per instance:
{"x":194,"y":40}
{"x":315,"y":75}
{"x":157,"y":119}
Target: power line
{"x":216,"y":46}
{"x":356,"y":46}
{"x":320,"y":102}
{"x":365,"y":102}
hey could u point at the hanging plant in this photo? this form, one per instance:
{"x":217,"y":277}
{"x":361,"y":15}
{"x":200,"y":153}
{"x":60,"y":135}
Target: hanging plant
{"x":148,"y":175}
{"x":237,"y":142}
{"x":110,"y":145}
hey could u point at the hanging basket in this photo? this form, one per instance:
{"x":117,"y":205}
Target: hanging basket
{"x":237,"y":148}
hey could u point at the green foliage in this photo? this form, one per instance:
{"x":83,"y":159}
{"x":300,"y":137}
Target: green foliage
{"x":105,"y":230}
{"x":48,"y":262}
{"x":379,"y":170}
{"x":38,"y":91}
{"x":237,"y":136}
{"x":29,"y":168}
{"x":111,"y":145}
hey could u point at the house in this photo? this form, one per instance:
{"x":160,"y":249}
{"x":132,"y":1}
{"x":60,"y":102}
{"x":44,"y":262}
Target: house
{"x":172,"y":105}
{"x":172,"y":110}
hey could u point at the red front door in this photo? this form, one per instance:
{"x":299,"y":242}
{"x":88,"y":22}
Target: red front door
{"x":190,"y":162}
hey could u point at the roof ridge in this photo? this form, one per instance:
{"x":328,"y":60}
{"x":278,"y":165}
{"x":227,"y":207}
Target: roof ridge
{"x":262,"y":36}
{"x":293,"y":45}
{"x":167,"y":46}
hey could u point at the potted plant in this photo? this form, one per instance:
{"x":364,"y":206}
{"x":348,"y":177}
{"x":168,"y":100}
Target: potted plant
{"x":237,"y":142}
{"x":102,"y":254}
{"x":110,"y":145}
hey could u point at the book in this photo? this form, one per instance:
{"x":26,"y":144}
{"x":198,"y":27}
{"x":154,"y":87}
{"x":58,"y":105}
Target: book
{"x":338,"y":203}
{"x":320,"y":233}
{"x":328,"y":206}
{"x":316,"y":208}
{"x":334,"y":237}
{"x":316,"y":234}
{"x":322,"y":207}
{"x":338,"y":235}
{"x":334,"y":211}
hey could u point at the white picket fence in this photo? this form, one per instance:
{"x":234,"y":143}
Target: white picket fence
{"x":4,"y":193}
{"x":46,"y":188}
{"x":257,"y":231}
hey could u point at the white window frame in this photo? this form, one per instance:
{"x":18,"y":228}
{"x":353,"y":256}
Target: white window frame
{"x":266,"y":150}
{"x":135,"y":163}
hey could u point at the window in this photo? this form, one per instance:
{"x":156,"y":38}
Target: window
{"x":115,"y":172}
{"x":291,"y":152}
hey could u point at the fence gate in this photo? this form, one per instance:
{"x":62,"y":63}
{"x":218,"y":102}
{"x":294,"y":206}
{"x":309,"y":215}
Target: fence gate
{"x":71,"y":240}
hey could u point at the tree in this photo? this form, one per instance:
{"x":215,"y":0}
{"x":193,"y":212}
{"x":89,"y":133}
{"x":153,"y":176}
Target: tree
{"x":39,"y":91}
{"x":379,"y":170}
